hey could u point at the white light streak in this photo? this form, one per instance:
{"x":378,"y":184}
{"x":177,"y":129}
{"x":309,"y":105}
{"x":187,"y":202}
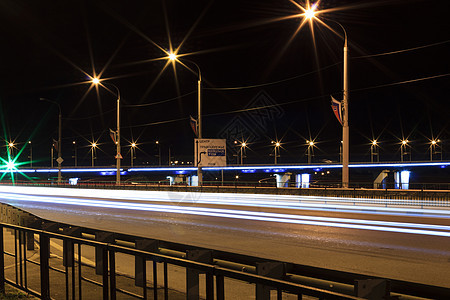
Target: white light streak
{"x":113,"y":199}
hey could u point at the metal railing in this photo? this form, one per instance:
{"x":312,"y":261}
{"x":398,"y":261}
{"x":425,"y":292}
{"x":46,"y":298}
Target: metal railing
{"x":75,"y":281}
{"x":208,"y":273}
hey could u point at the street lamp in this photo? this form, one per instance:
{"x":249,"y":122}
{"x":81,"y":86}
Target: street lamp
{"x":31,"y":154}
{"x":433,"y":145}
{"x":374,"y":151}
{"x":159,"y":152}
{"x":173,"y":57}
{"x":311,"y":13}
{"x":93,"y":147}
{"x":243,"y":144}
{"x":276,"y":150}
{"x":118,"y":157}
{"x":74,"y":143}
{"x":403,"y":151}
{"x":310,"y":150}
{"x":132,"y":150}
{"x":59,"y":160}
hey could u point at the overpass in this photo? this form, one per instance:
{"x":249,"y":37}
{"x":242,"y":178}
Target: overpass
{"x":377,"y":175}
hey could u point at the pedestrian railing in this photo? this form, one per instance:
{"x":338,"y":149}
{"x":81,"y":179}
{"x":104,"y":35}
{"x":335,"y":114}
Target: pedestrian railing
{"x":30,"y":262}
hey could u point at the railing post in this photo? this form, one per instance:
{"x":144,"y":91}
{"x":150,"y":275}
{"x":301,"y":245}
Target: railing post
{"x":100,"y":259}
{"x":44,"y":254}
{"x":112,"y":274}
{"x":2,"y":263}
{"x":140,"y":265}
{"x":220,"y":287}
{"x":192,"y":275}
{"x":268,"y":269}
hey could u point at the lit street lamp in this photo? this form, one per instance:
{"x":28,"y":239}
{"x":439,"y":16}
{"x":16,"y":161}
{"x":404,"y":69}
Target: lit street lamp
{"x":243,"y":145}
{"x":59,"y":160}
{"x":96,"y":81}
{"x":159,"y":152}
{"x":403,"y":150}
{"x":93,"y":157}
{"x":310,"y":150}
{"x":310,"y":14}
{"x":74,"y":143}
{"x":433,"y":145}
{"x":374,"y":151}
{"x":173,"y":57}
{"x":133,"y":151}
{"x":276,"y":151}
{"x":31,"y":154}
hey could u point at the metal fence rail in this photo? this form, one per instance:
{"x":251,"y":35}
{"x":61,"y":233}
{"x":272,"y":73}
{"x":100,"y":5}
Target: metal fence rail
{"x":206,"y":271}
{"x":105,"y":267}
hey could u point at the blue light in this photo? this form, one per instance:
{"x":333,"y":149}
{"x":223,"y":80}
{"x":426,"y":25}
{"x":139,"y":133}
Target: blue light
{"x":249,"y":171}
{"x":181,"y":172}
{"x":108,"y":173}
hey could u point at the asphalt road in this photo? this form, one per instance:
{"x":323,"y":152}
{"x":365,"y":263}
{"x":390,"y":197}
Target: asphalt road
{"x":404,"y":243}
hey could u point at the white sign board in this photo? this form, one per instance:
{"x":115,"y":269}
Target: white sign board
{"x":210,"y":153}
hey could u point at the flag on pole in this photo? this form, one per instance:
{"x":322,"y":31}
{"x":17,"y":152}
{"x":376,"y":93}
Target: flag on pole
{"x":336,"y":106}
{"x":112,"y":134}
{"x":194,"y":125}
{"x":55,"y":144}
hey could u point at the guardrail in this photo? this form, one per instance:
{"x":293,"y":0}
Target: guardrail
{"x":410,"y":197}
{"x":208,"y":272}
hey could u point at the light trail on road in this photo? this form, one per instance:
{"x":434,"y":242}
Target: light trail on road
{"x":252,"y":200}
{"x":64,"y":196}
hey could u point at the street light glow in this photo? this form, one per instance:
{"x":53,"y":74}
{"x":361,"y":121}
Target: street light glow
{"x":310,"y":12}
{"x":374,"y":142}
{"x":133,"y":145}
{"x":433,"y":142}
{"x":404,"y":142}
{"x":172,"y":56}
{"x":11,"y":144}
{"x":95,"y":80}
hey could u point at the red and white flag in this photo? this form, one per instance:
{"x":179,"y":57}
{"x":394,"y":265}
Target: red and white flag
{"x":336,"y":106}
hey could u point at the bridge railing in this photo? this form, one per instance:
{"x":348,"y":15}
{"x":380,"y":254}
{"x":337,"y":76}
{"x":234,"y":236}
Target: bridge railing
{"x":29,"y":261}
{"x":361,"y":193}
{"x":70,"y":279}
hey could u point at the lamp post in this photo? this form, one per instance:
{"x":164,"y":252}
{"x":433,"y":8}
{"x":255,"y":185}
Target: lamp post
{"x":159,"y":152}
{"x":173,"y":58}
{"x":10,"y":150}
{"x":433,"y":145}
{"x":310,"y":146}
{"x":243,"y":144}
{"x":96,"y":81}
{"x":374,"y":151}
{"x":276,"y":150}
{"x":74,"y":143}
{"x":403,"y":151}
{"x":132,"y":150}
{"x":93,"y":146}
{"x":310,"y":13}
{"x":31,"y":154}
{"x":59,"y":160}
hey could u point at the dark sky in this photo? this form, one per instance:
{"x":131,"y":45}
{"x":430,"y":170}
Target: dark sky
{"x":49,"y":49}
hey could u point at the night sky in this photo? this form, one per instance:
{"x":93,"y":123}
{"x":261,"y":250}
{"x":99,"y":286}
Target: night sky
{"x":262,"y":80}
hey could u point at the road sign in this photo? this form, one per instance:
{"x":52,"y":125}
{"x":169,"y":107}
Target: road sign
{"x":59,"y":160}
{"x":210,"y":153}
